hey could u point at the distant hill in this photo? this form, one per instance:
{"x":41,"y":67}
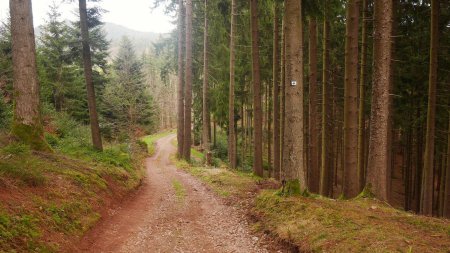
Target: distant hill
{"x":140,"y":40}
{"x":114,"y":33}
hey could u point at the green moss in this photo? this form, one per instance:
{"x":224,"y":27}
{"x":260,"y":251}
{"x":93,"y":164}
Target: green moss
{"x":290,"y":188}
{"x":31,"y":135}
{"x":366,"y":193}
{"x":20,"y":229}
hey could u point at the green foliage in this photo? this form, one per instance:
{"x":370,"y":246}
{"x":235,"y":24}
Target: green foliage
{"x":16,"y":162}
{"x":220,"y":149}
{"x":127,"y":99}
{"x":17,"y":149}
{"x":20,"y":230}
{"x":68,"y":216}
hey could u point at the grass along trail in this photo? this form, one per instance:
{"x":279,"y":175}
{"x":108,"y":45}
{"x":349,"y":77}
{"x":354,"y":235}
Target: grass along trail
{"x":172,"y":212}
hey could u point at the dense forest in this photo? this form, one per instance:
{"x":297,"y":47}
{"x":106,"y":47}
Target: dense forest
{"x":331,"y":97}
{"x":314,"y":118}
{"x":125,"y":95}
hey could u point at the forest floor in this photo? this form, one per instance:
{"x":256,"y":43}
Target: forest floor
{"x":318,"y":224}
{"x":174,"y":212}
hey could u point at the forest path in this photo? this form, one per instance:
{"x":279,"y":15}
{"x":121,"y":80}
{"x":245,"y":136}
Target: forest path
{"x":171,"y":212}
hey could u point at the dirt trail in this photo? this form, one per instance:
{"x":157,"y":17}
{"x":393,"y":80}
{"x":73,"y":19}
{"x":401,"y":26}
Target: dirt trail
{"x":172,"y":212}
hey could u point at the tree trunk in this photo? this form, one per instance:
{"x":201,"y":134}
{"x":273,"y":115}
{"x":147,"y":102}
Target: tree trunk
{"x":441,"y":189}
{"x":362,"y":82}
{"x":87,"y":63}
{"x":283,"y":92}
{"x":257,"y":123}
{"x":293,"y":154}
{"x":446,"y":202}
{"x":27,"y":125}
{"x":231,"y":127}
{"x":314,"y":172}
{"x":188,"y":84}
{"x":351,"y":181}
{"x":276,"y":91}
{"x":269,"y":128}
{"x":206,"y":116}
{"x":378,"y":167}
{"x":427,"y":179}
{"x":326,"y":186}
{"x":180,"y":84}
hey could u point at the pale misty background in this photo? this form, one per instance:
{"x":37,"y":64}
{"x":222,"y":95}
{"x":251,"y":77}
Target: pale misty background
{"x":133,"y":14}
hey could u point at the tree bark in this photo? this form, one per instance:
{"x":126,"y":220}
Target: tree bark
{"x":314,"y":171}
{"x":27,"y":125}
{"x":231,"y":127}
{"x":326,"y":186}
{"x":180,"y":84}
{"x":362,"y":83}
{"x":206,"y":117}
{"x":446,"y":205}
{"x":276,"y":91}
{"x":269,"y":128}
{"x":428,"y":163}
{"x":378,"y":167}
{"x":257,"y":107}
{"x":188,"y":84}
{"x":351,"y":181}
{"x":87,"y":63}
{"x":283,"y":93}
{"x":293,"y":154}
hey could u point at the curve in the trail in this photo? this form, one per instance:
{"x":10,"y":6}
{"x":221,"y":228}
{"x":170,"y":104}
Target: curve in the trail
{"x":171,"y":212}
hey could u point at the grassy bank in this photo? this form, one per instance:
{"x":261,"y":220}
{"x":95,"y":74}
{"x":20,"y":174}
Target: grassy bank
{"x":316,"y":224}
{"x":49,"y":200}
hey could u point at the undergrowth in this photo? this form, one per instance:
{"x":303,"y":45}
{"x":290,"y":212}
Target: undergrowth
{"x":317,"y":224}
{"x":48,"y":200}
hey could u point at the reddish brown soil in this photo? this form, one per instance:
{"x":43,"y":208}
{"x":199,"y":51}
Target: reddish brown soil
{"x":157,"y":219}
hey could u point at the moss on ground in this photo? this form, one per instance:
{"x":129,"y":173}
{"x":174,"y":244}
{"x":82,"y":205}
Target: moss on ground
{"x":318,"y":224}
{"x":50,"y":199}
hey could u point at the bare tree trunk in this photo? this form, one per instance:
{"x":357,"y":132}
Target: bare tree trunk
{"x":283,"y":93}
{"x":188,"y":84}
{"x":276,"y":91}
{"x":441,"y":188}
{"x":314,"y":171}
{"x":293,"y":154}
{"x":326,"y":186}
{"x":351,"y":181}
{"x":180,"y":84}
{"x":257,"y":107}
{"x":378,"y":167}
{"x":87,"y":63}
{"x":27,"y":125}
{"x":206,"y":117}
{"x":362,"y":83}
{"x":446,"y":202}
{"x":269,"y":128}
{"x":428,"y":166}
{"x":231,"y":127}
